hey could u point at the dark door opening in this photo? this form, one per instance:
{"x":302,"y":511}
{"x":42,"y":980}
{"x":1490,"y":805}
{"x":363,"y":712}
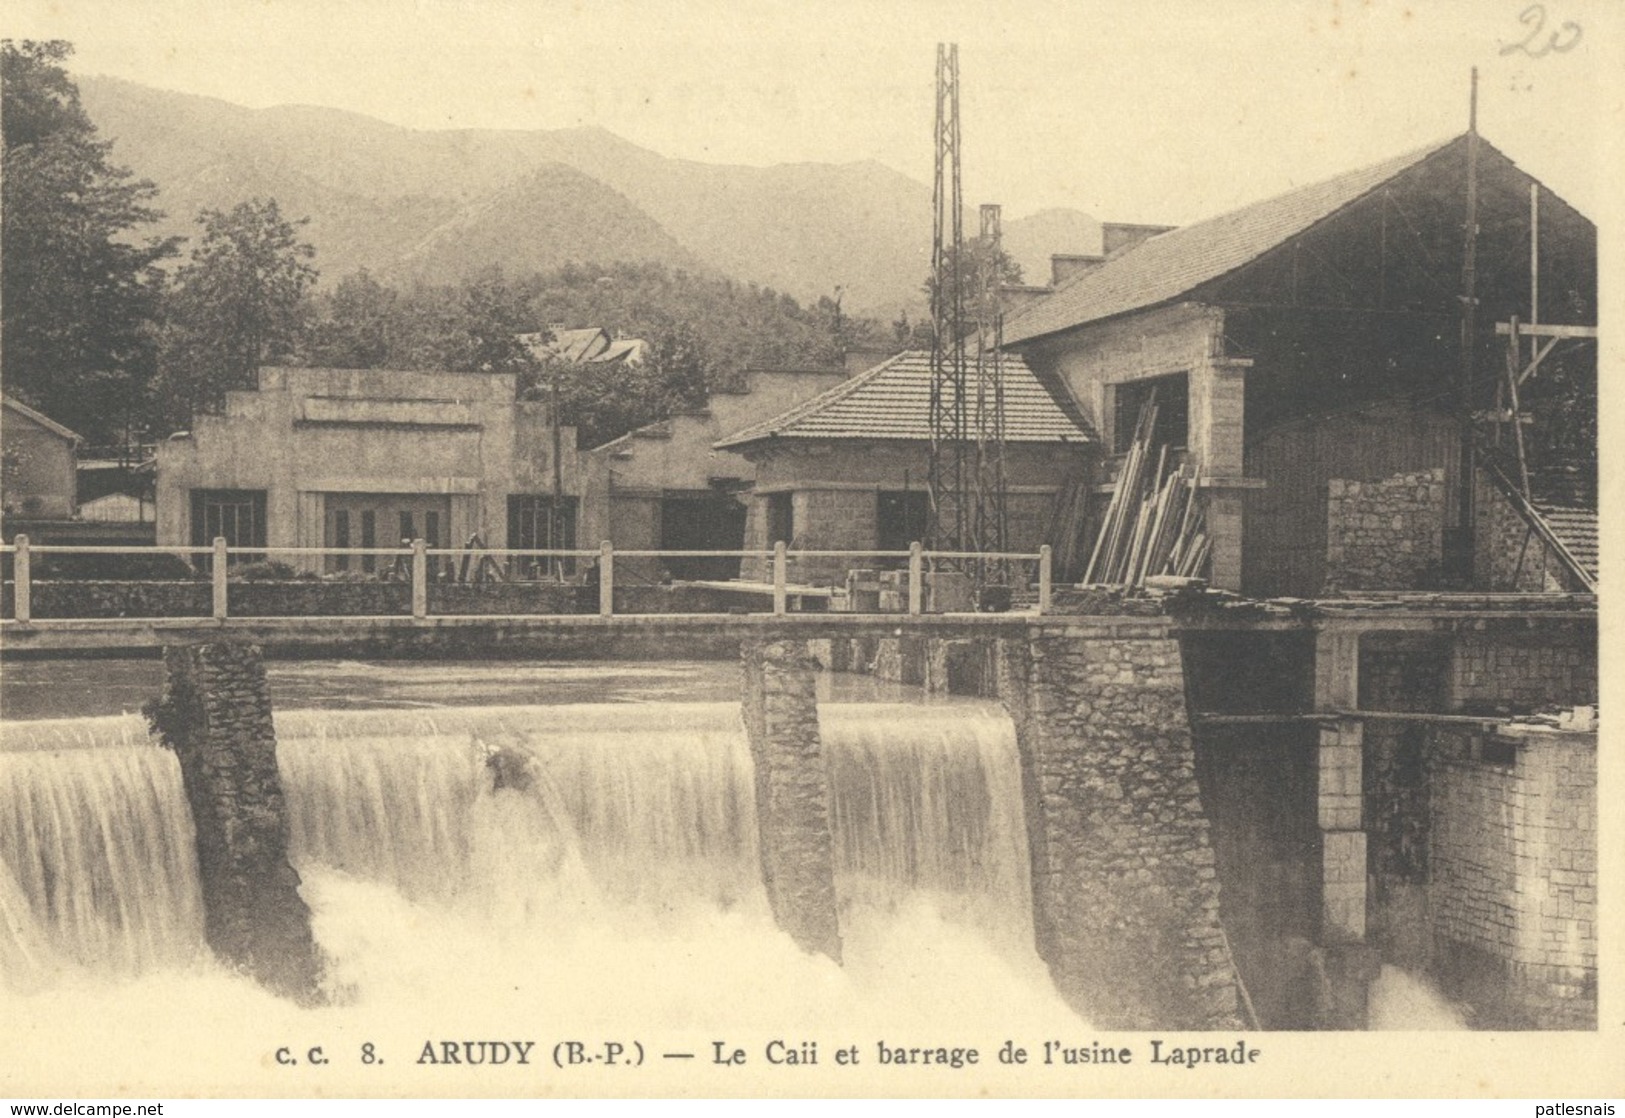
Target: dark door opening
{"x":900,"y":517}
{"x":703,"y":522}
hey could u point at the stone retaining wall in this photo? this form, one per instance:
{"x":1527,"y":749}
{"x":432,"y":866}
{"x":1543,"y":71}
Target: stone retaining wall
{"x":1513,"y":894}
{"x":1385,"y":535}
{"x":302,"y":598}
{"x":1125,"y":889}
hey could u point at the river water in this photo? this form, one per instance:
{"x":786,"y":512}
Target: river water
{"x":618,"y":896}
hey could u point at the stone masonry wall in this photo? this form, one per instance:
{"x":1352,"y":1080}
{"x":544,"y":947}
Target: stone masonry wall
{"x":216,"y":714}
{"x":1125,"y":890}
{"x":1506,"y":555}
{"x":1514,"y":873}
{"x":792,"y":791}
{"x":1520,"y":671}
{"x":1384,"y":535}
{"x":302,"y":598}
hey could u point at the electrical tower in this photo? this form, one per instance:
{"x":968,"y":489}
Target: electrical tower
{"x":965,"y":478}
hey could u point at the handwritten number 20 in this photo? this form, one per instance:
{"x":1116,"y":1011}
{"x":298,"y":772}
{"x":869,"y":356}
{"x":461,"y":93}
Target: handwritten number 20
{"x":1535,"y":17}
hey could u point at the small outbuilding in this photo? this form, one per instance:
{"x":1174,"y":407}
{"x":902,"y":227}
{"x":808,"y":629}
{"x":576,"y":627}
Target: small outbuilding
{"x":847,"y":469}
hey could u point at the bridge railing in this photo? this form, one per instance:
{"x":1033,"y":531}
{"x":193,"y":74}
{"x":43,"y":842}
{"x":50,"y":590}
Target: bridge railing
{"x":412,"y":564}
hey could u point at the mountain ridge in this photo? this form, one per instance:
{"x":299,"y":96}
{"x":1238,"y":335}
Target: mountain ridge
{"x":375,"y":191}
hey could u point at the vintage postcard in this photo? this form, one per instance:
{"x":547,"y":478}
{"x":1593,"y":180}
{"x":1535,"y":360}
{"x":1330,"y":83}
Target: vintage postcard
{"x":788,"y":549}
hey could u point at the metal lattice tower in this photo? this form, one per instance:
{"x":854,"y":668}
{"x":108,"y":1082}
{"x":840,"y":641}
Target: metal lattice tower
{"x":945,"y":475}
{"x":965,"y":479}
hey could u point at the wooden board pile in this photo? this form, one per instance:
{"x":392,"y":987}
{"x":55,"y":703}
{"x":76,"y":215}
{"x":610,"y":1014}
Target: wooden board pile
{"x":1153,"y":524}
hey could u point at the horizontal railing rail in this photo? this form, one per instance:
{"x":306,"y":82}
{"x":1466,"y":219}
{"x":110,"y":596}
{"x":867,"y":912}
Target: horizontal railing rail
{"x":417,"y":554}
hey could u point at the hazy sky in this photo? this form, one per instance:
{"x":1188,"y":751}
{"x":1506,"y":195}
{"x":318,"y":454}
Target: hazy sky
{"x":1102,"y":106}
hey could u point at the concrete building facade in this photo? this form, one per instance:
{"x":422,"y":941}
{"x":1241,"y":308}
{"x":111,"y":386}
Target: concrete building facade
{"x":366,"y":458}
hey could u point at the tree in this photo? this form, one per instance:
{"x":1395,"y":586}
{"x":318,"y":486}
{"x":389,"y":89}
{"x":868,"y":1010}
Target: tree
{"x":978,"y":274}
{"x":237,"y":304}
{"x":357,"y":326}
{"x":79,"y":293}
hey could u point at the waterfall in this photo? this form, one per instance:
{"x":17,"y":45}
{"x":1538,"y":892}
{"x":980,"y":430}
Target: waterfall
{"x":548,"y":843}
{"x":97,"y":865}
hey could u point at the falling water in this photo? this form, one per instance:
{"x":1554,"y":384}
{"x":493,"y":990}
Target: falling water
{"x":97,"y":866}
{"x":548,"y":811}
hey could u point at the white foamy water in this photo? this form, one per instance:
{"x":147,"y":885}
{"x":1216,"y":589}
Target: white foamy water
{"x":615,"y":890}
{"x":1400,"y":1000}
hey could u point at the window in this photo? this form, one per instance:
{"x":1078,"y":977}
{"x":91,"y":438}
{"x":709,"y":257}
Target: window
{"x":531,"y":524}
{"x":237,"y":515}
{"x":1173,"y":411}
{"x":369,"y":538}
{"x":431,"y":528}
{"x":408,"y":529}
{"x":900,"y":516}
{"x":781,"y":518}
{"x":341,"y":538}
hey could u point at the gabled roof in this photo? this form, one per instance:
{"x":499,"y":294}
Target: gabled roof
{"x":893,"y":401}
{"x":1169,"y":265}
{"x":588,"y":345}
{"x":42,"y":419}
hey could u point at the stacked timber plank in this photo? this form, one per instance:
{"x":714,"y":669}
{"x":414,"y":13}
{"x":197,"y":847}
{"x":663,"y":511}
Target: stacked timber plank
{"x":1153,"y":523}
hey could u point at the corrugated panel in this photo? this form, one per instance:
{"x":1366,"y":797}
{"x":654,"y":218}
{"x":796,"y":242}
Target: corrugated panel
{"x":1167,"y":266}
{"x":893,"y":401}
{"x":1284,"y":548}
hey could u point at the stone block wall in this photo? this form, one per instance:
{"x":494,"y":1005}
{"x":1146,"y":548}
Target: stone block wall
{"x":1521,"y":671}
{"x":792,"y":791}
{"x":312,"y":598}
{"x":1125,"y":885}
{"x":1514,"y":873}
{"x":216,"y":714}
{"x":1384,"y":535}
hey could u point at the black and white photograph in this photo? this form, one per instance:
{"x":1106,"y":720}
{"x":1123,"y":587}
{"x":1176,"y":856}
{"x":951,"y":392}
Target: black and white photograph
{"x":790,"y":549}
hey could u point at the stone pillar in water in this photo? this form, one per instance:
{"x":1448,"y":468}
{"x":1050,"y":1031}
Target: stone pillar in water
{"x":1125,"y":890}
{"x":792,"y":792}
{"x":216,"y":714}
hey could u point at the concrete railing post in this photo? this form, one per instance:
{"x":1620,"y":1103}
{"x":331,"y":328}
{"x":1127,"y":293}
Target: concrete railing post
{"x":606,"y":579}
{"x":420,"y":579}
{"x":218,"y":575}
{"x":916,"y":578}
{"x":1045,"y":575}
{"x":21,"y":590}
{"x":780,"y":578}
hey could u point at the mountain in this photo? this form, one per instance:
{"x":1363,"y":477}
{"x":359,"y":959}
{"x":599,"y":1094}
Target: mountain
{"x":1031,"y":240}
{"x":405,"y":202}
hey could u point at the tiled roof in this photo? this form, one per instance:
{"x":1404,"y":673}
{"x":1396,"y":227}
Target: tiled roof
{"x":1565,"y":500}
{"x":42,"y":419}
{"x":1575,"y":529}
{"x":1164,"y":267}
{"x":893,"y":401}
{"x":588,"y":345}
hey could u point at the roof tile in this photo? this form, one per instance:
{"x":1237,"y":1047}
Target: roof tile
{"x":893,"y":401}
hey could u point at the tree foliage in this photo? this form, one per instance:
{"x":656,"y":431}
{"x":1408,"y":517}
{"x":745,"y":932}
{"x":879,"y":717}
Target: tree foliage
{"x":237,"y":304}
{"x":80,"y":292}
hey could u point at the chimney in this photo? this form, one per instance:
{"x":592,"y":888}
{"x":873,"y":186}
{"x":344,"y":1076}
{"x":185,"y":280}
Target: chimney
{"x":1115,"y":236}
{"x":1065,"y":266}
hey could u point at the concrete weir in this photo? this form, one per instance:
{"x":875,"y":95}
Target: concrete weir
{"x":216,"y":714}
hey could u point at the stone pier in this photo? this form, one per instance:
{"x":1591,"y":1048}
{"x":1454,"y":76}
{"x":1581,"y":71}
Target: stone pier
{"x":216,"y":714}
{"x":792,"y":791}
{"x":1125,"y":890}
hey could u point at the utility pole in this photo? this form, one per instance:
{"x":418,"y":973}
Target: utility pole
{"x":1469,"y":327}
